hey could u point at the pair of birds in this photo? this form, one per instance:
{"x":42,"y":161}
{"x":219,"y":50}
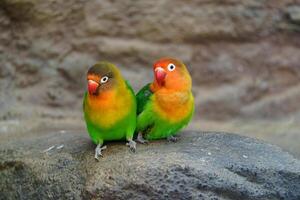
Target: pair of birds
{"x":159,"y":110}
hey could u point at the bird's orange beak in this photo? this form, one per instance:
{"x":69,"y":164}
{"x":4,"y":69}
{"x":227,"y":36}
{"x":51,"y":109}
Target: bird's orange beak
{"x":92,"y":86}
{"x":160,"y":75}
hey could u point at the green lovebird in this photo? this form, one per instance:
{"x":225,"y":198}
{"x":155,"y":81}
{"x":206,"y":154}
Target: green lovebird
{"x":165,"y":106}
{"x":109,"y":107}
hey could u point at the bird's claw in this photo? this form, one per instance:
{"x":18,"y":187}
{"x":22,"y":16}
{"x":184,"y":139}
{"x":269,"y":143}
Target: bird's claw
{"x":140,"y":139}
{"x":98,"y":151}
{"x":172,"y":139}
{"x":132,"y":145}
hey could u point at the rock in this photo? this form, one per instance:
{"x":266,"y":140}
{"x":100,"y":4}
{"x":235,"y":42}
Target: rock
{"x":226,"y":44}
{"x":18,"y":10}
{"x":199,"y":166}
{"x":294,"y":14}
{"x":74,"y":68}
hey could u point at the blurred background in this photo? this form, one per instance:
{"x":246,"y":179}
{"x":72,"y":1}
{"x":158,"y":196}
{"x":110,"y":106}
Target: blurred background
{"x":244,"y":57}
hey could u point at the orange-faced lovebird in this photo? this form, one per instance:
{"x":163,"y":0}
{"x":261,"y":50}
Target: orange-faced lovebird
{"x":167,"y":105}
{"x":109,"y":107}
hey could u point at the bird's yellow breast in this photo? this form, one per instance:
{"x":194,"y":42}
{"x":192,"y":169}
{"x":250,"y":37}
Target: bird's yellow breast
{"x":108,"y":109}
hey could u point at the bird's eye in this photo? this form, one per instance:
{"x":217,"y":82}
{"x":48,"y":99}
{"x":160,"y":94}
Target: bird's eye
{"x":171,"y":67}
{"x":104,"y":79}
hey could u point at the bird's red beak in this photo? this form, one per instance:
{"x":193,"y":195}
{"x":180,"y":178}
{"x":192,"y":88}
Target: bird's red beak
{"x":92,"y":86}
{"x":160,"y":75}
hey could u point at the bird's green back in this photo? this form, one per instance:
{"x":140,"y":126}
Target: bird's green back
{"x":130,"y":88}
{"x":142,"y":97}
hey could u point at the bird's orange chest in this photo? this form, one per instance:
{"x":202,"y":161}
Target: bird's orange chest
{"x":108,"y":109}
{"x":173,"y":106}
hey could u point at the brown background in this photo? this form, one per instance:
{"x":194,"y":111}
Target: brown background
{"x":244,"y":57}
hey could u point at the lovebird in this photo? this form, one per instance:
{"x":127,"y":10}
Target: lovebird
{"x":109,"y":107}
{"x":165,"y":106}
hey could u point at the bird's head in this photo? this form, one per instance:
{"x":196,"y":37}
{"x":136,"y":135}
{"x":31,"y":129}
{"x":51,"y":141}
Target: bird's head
{"x":102,"y":77}
{"x":171,"y":73}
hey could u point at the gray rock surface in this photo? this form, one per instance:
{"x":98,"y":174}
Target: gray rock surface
{"x":199,"y":166}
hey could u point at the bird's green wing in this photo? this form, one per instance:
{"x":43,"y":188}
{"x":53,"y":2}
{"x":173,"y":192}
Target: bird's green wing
{"x":133,"y":96}
{"x":129,"y":87}
{"x":143,"y":97}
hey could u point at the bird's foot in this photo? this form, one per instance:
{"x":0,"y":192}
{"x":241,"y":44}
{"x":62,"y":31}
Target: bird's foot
{"x":140,"y":139}
{"x":98,"y":151}
{"x":132,"y":145}
{"x":172,"y":139}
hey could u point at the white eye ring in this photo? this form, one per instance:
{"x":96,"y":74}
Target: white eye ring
{"x":104,"y":79}
{"x":171,"y":67}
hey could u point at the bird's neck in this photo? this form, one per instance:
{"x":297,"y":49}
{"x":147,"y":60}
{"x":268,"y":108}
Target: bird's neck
{"x":107,"y":98}
{"x":168,"y":98}
{"x":102,"y":99}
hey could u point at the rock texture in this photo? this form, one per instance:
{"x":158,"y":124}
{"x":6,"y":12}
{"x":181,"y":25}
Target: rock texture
{"x":199,"y":166}
{"x":244,"y":55}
